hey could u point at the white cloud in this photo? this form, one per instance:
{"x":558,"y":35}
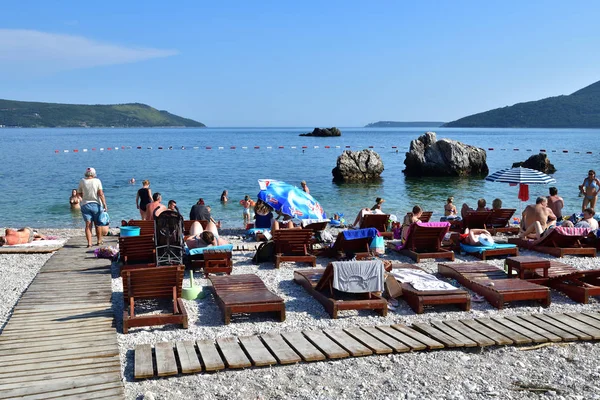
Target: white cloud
{"x":31,"y":50}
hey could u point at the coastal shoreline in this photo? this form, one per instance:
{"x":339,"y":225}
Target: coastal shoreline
{"x":570,"y":368}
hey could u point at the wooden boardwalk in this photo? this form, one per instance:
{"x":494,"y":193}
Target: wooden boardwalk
{"x":60,"y":341}
{"x":187,"y":357}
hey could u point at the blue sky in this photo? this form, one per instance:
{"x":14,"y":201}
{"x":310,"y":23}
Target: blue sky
{"x":309,"y":63}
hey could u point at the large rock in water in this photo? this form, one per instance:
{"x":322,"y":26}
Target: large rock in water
{"x":539,"y":162}
{"x":358,"y":166}
{"x":431,"y":157}
{"x":324,"y":132}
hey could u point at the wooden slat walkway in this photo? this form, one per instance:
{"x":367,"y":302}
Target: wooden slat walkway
{"x":60,"y":341}
{"x":317,"y":345}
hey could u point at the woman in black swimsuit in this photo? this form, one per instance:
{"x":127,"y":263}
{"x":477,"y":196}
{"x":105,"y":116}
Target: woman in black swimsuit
{"x":143,"y":197}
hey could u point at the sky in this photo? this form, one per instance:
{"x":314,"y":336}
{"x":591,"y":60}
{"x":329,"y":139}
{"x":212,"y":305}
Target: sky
{"x":299,"y":64}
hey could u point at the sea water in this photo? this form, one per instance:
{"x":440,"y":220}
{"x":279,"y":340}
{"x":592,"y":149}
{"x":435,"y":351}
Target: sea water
{"x":39,"y":168}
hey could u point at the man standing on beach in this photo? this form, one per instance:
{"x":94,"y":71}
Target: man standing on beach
{"x":155,"y":208}
{"x":556,"y":203}
{"x":537,"y":219}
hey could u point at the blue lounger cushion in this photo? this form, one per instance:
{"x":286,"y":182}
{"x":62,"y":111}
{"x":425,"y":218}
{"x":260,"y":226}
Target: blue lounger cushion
{"x":467,"y":248}
{"x":200,"y":250}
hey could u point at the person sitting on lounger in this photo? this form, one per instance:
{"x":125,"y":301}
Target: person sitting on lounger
{"x":588,"y":220}
{"x":450,"y":208}
{"x":410,"y":218}
{"x":21,"y":236}
{"x":496,"y":204}
{"x":537,"y":220}
{"x":481,"y":206}
{"x":200,"y":237}
{"x":263,"y":215}
{"x":364,"y":211}
{"x":476,"y":237}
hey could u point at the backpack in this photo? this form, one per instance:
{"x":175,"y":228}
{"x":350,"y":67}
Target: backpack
{"x":265,"y":252}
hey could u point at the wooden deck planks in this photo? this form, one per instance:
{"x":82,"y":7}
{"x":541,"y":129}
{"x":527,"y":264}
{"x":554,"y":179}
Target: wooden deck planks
{"x":414,"y":345}
{"x":303,"y":347}
{"x":143,"y":367}
{"x":188,"y":359}
{"x":371,"y":342}
{"x":325,"y":344}
{"x":513,"y":335}
{"x":259,"y":354}
{"x":165,"y":359}
{"x":232,"y":353}
{"x":498,"y":338}
{"x":348,"y":343}
{"x":280,"y":349}
{"x":398,"y":346}
{"x":560,"y":329}
{"x":210,"y":356}
{"x":313,"y":345}
{"x":429,"y":342}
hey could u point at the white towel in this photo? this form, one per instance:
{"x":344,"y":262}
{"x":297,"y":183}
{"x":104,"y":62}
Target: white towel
{"x":358,"y":276}
{"x":420,"y":280}
{"x":305,"y":222}
{"x":37,"y":243}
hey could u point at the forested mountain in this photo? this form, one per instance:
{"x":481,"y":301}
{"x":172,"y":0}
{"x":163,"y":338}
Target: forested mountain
{"x":50,"y":115}
{"x":578,"y":110}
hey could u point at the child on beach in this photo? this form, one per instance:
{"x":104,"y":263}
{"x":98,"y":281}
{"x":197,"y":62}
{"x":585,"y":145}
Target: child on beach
{"x":247,"y":203}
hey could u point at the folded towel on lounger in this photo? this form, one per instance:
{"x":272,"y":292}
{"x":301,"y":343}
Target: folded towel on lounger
{"x":200,"y":250}
{"x":361,"y":233}
{"x":467,"y":248}
{"x":421,"y":280}
{"x":358,"y":276}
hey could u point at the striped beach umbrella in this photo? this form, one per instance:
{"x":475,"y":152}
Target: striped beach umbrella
{"x":520,"y":175}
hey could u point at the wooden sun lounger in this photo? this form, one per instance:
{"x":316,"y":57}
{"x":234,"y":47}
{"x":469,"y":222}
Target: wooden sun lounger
{"x":316,"y":226}
{"x":347,"y":249}
{"x":476,"y":219}
{"x":211,"y":262}
{"x":494,"y":284}
{"x":153,"y":283}
{"x":317,"y":282}
{"x":499,"y":222}
{"x":577,"y":284}
{"x":425,"y":216}
{"x":379,"y":222}
{"x":137,"y":249}
{"x":187,"y":224}
{"x":424,"y":240}
{"x":293,"y":245}
{"x":245,"y":293}
{"x":419,"y":299}
{"x":485,"y":253}
{"x":559,"y":242}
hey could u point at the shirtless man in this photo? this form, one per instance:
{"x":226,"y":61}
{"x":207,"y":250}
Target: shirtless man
{"x":155,"y":205}
{"x":21,"y":236}
{"x":556,"y":203}
{"x":537,"y":219}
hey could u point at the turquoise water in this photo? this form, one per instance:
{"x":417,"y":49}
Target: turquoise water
{"x":36,"y":182}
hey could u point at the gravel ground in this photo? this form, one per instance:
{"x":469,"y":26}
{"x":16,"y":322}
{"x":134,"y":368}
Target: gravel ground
{"x":560,"y":371}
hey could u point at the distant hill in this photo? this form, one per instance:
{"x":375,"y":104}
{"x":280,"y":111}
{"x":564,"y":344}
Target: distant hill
{"x":49,"y":115}
{"x":578,"y":110}
{"x":396,"y":124}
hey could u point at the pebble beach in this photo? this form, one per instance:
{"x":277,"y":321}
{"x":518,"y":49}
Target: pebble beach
{"x":558,"y":371}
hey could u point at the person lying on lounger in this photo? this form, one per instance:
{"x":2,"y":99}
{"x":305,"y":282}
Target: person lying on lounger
{"x":476,"y":237}
{"x":200,"y":237}
{"x":21,"y":236}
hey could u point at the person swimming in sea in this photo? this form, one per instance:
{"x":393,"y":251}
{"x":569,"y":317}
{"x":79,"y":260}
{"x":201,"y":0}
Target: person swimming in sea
{"x":75,"y":200}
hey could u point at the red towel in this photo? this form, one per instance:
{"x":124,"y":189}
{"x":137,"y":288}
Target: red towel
{"x":523,"y":192}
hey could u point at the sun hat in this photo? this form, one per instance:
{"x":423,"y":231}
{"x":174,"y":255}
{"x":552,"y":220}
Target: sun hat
{"x":90,"y":172}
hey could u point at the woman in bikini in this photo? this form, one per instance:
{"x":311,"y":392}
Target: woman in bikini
{"x":450,"y":208}
{"x":589,"y":188}
{"x":74,"y":200}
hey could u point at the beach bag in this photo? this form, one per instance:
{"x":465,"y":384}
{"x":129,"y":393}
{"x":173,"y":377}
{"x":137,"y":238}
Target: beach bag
{"x":264,"y":253}
{"x":377,"y":245}
{"x":103,"y":219}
